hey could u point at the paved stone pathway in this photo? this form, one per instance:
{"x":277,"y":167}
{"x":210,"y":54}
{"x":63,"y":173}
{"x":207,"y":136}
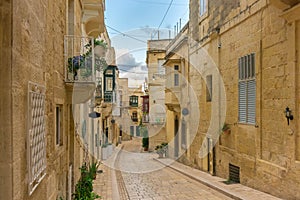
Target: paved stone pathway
{"x":146,"y":178}
{"x":103,"y":183}
{"x":131,"y":174}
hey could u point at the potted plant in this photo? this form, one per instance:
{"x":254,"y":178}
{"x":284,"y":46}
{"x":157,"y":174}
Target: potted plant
{"x":161,"y":150}
{"x":226,"y":128}
{"x":84,"y":61}
{"x":93,"y":169}
{"x":145,"y":142}
{"x":84,"y":187}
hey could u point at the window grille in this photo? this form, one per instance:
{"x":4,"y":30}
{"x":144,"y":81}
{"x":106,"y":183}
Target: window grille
{"x":247,"y":89}
{"x":36,"y":142}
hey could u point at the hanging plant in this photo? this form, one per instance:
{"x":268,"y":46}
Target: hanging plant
{"x":84,"y":61}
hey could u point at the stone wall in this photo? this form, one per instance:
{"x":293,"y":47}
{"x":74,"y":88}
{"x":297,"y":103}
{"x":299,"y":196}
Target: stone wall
{"x":266,"y":151}
{"x":6,"y":180}
{"x":36,"y":55}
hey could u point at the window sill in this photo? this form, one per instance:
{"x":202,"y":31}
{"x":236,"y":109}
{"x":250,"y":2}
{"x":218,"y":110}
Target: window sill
{"x":203,"y":17}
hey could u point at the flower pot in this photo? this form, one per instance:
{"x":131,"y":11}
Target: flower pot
{"x":100,"y":51}
{"x":160,"y":154}
{"x":227,"y":131}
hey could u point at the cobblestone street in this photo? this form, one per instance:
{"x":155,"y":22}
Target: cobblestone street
{"x":131,"y":174}
{"x":146,"y":178}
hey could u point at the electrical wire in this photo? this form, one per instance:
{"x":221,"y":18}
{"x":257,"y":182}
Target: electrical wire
{"x":124,"y":34}
{"x":163,"y":18}
{"x":124,"y":70}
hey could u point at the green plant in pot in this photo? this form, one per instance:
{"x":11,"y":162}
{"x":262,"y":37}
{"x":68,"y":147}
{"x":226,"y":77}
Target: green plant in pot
{"x":93,"y":169}
{"x":84,"y":187}
{"x":161,"y":149}
{"x":226,"y":128}
{"x":84,"y":61}
{"x":145,"y":143}
{"x":144,"y":133}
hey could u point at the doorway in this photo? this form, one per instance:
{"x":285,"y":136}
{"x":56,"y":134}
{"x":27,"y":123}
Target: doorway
{"x":211,"y":156}
{"x":176,"y":138}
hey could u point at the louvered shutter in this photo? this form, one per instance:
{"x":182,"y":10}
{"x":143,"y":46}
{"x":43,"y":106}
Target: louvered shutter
{"x":137,"y":130}
{"x":242,"y":101}
{"x":251,"y":95}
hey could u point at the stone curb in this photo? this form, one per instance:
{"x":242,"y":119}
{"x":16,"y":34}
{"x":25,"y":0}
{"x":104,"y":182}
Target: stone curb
{"x":223,"y":190}
{"x":227,"y":193}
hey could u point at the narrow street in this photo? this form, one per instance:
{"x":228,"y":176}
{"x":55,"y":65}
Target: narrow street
{"x":145,"y":178}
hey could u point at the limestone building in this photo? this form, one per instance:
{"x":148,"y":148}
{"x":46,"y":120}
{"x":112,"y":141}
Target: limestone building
{"x":243,"y":67}
{"x":156,"y":52}
{"x":40,"y":153}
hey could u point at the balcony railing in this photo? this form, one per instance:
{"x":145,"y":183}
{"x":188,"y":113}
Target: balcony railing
{"x":79,"y":59}
{"x":133,"y":104}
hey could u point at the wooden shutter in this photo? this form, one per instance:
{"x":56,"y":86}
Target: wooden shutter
{"x":251,"y":96}
{"x":242,"y":101}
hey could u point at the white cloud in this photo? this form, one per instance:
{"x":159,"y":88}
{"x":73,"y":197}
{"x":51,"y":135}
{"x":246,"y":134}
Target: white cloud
{"x":136,"y":72}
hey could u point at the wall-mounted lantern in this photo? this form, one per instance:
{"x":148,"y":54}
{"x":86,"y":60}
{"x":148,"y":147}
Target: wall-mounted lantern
{"x":288,"y":115}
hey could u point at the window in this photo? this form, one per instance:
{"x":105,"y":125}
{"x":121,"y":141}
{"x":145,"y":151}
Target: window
{"x":131,"y":130}
{"x":134,"y":116}
{"x":209,"y":88}
{"x":176,"y":67}
{"x":36,"y":143}
{"x":137,"y":131}
{"x":109,"y":84}
{"x":176,"y":79}
{"x":203,"y":4}
{"x":133,"y":101}
{"x":59,"y":125}
{"x":247,"y":89}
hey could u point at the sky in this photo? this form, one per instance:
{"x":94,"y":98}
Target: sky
{"x":130,"y":23}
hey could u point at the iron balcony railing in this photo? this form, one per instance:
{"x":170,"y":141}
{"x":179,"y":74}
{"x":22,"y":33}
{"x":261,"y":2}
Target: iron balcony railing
{"x":79,"y":59}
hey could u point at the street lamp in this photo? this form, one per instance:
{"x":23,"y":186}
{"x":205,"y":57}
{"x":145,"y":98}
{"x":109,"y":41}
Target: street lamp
{"x":288,"y":115}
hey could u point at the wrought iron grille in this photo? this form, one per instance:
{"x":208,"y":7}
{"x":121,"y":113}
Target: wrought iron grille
{"x":36,"y":145}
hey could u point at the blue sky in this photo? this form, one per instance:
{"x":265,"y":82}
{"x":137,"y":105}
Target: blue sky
{"x":140,"y":19}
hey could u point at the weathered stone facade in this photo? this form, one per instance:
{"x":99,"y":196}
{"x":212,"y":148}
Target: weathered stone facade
{"x":267,"y":151}
{"x":156,"y":52}
{"x":32,"y":37}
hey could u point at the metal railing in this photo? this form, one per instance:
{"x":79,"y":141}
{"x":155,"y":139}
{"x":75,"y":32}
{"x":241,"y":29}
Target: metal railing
{"x":79,"y":59}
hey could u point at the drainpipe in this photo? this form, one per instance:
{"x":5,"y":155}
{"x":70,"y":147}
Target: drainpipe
{"x":219,"y":100}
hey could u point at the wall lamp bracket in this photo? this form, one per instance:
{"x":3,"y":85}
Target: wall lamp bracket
{"x":288,"y":115}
